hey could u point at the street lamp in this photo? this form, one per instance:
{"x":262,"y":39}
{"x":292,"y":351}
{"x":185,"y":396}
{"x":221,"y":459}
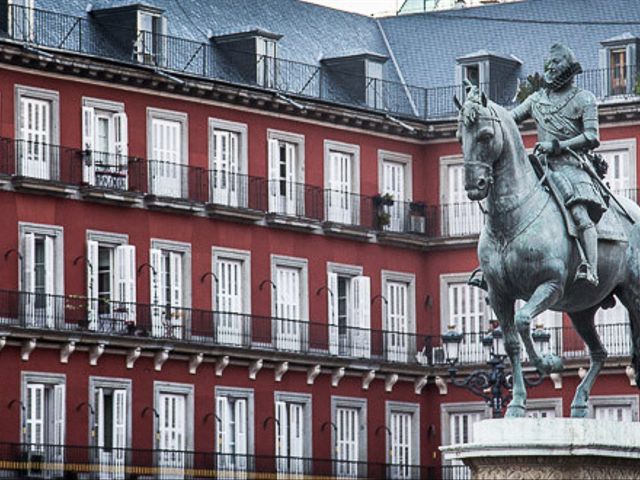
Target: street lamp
{"x":495,"y":385}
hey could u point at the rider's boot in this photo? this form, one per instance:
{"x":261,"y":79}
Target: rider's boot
{"x":588,"y":271}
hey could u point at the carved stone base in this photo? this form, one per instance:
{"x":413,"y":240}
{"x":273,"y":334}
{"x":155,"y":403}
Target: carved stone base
{"x":551,"y":448}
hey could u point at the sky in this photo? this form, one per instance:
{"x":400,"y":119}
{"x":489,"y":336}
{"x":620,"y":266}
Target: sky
{"x":365,"y":7}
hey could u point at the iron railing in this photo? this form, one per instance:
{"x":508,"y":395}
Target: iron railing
{"x":236,"y":190}
{"x":295,"y":199}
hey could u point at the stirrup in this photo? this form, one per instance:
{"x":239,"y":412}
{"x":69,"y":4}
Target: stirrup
{"x":585,"y":273}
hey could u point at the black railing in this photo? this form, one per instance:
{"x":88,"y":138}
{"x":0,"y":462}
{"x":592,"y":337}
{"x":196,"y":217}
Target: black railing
{"x":70,"y":461}
{"x":346,"y":208}
{"x":293,"y":199}
{"x":176,"y":180}
{"x":236,"y":190}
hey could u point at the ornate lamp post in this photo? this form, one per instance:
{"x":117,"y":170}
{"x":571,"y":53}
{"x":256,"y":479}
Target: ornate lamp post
{"x":494,"y":385}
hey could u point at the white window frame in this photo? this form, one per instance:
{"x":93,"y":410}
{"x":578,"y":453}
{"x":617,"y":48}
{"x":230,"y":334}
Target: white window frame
{"x":27,"y":19}
{"x":241,"y":180}
{"x":301,"y":264}
{"x":174,"y":388}
{"x":414,"y":410}
{"x":448,"y":409}
{"x":359,"y":404}
{"x":238,"y":393}
{"x":353,"y":150}
{"x":173,"y":116}
{"x":409,"y":279}
{"x":307,"y":404}
{"x":57,"y":233}
{"x":397,"y":157}
{"x":298,"y":140}
{"x":49,"y":379}
{"x":629,"y":146}
{"x":615,"y":401}
{"x":554,"y":404}
{"x":184,"y":249}
{"x":447,"y":279}
{"x":467,"y":209}
{"x":244,"y":256}
{"x":266,"y":67}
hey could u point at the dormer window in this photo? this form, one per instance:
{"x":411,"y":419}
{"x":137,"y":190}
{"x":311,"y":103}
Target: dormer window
{"x":266,"y":62}
{"x":20,"y":20}
{"x":472,"y":74}
{"x":618,"y":60}
{"x":151,"y":38}
{"x":494,"y":74}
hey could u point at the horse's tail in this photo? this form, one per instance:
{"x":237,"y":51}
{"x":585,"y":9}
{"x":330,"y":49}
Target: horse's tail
{"x":633,"y":296}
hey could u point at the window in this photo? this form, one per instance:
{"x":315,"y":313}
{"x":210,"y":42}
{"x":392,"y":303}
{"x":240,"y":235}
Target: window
{"x":615,"y":408}
{"x":42,"y":276}
{"x":472,"y":74}
{"x":457,"y":427}
{"x":167,"y":153}
{"x":394,"y":178}
{"x":460,"y":216}
{"x":464,"y":307}
{"x":37,"y":133}
{"x":342,"y":182}
{"x":110,"y":423}
{"x":170,"y":288}
{"x":234,"y":429}
{"x":21,"y":20}
{"x":290,"y":302}
{"x":293,"y":432}
{"x":618,"y":70}
{"x":349,"y":311}
{"x":232,"y":295}
{"x":544,"y":408}
{"x":621,"y":174}
{"x":375,"y":86}
{"x":43,"y":420}
{"x":228,"y":180}
{"x":286,"y":174}
{"x":174,"y":428}
{"x":151,"y":45}
{"x":349,"y":415}
{"x":399,"y":316}
{"x":111,"y":282}
{"x":403,"y":440}
{"x":266,"y":62}
{"x":105,"y":139}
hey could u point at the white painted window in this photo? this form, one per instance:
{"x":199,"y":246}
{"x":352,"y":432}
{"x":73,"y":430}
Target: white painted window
{"x":401,"y":444}
{"x":230,"y":301}
{"x":151,"y":44}
{"x":349,"y":310}
{"x":21,"y":16}
{"x":394,"y":184}
{"x":168,"y":313}
{"x":172,"y":434}
{"x":617,"y":413}
{"x":44,"y":416}
{"x":398,"y":323}
{"x":290,"y":431}
{"x":347,"y":421}
{"x":105,"y":139}
{"x":232,"y":423}
{"x":460,"y":216}
{"x":34,"y":145}
{"x":457,"y":428}
{"x":467,"y":310}
{"x":167,"y":152}
{"x":111,"y":426}
{"x":614,"y":408}
{"x":266,"y":62}
{"x":342,"y":182}
{"x":286,"y":174}
{"x":289,"y":331}
{"x":41,"y":278}
{"x":228,"y":186}
{"x":621,"y":173}
{"x":374,"y":92}
{"x":111,"y":284}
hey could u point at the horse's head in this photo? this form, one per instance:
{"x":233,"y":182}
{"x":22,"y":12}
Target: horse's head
{"x":482,"y":139}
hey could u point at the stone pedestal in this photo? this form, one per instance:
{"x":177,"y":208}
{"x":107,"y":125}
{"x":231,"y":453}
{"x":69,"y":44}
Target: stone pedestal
{"x":551,"y":448}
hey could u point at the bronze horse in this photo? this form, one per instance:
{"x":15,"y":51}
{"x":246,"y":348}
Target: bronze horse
{"x":526,"y":252}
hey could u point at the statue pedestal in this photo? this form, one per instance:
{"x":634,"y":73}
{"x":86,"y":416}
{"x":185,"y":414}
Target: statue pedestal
{"x":552,"y":448}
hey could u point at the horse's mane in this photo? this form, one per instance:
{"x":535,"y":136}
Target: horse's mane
{"x":470,"y":110}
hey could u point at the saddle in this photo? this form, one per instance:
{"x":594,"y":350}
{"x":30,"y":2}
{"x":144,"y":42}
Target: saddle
{"x":609,"y":228}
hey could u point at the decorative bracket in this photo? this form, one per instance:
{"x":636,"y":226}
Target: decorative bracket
{"x":194,"y":362}
{"x":95,"y":353}
{"x":221,"y":364}
{"x":281,"y":369}
{"x":631,"y":375}
{"x":441,"y":383}
{"x":419,"y":384}
{"x":582,"y":372}
{"x":28,"y":346}
{"x":160,"y":357}
{"x":312,"y":373}
{"x":67,"y":350}
{"x":556,"y":378}
{"x":389,"y":381}
{"x":132,"y":355}
{"x":3,"y":341}
{"x":367,"y":378}
{"x":336,"y":376}
{"x":254,"y":368}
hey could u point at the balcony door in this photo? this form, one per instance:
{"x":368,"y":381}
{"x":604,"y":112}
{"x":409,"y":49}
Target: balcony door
{"x":286,"y":195}
{"x":393,"y":184}
{"x":342,"y":204}
{"x":232,"y":436}
{"x":460,"y":216}
{"x":467,"y":311}
{"x":33,"y":147}
{"x":165,"y":165}
{"x":288,"y":324}
{"x":226,"y":184}
{"x":168,"y":315}
{"x":397,"y":322}
{"x":111,"y":430}
{"x":229,"y":304}
{"x":172,"y":435}
{"x":349,"y":315}
{"x":401,"y":448}
{"x":289,"y":438}
{"x":347,"y":442}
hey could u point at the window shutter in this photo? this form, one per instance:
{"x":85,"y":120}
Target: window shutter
{"x":282,"y":431}
{"x":261,"y":61}
{"x":332,"y":297}
{"x":59,"y":408}
{"x":92,"y":283}
{"x":223,"y":427}
{"x":34,"y":413}
{"x":121,"y":141}
{"x":156,"y":277}
{"x":88,"y":141}
{"x":175,"y":261}
{"x":274,"y":174}
{"x":295,"y":193}
{"x":240,"y":415}
{"x":361,"y":288}
{"x":630,"y":65}
{"x":119,"y":422}
{"x":28,"y":285}
{"x":49,"y":279}
{"x":125,"y":267}
{"x":99,"y":414}
{"x":296,"y":420}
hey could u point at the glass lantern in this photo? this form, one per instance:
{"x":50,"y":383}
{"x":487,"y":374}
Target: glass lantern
{"x":451,"y":341}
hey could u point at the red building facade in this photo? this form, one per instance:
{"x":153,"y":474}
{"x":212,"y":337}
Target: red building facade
{"x":203,"y":277}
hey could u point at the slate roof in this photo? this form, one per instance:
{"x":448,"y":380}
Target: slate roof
{"x":425,"y":45}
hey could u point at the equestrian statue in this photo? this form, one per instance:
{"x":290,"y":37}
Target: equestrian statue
{"x":554,"y":235}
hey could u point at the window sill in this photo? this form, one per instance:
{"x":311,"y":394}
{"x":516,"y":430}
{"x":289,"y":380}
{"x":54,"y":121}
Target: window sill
{"x":42,"y":185}
{"x":354,"y":232}
{"x":111,"y":196}
{"x":242,"y":214}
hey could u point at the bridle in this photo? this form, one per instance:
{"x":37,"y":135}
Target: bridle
{"x":476,"y":163}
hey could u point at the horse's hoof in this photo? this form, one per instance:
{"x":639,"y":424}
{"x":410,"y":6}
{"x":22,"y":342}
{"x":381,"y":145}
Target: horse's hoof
{"x":549,"y":363}
{"x":579,"y":411}
{"x":515,"y":411}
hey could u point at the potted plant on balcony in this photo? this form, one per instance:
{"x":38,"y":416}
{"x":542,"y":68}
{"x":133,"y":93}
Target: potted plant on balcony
{"x":383,"y":217}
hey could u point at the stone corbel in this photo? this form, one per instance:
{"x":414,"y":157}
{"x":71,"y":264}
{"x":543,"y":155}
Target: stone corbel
{"x":556,"y":378}
{"x":389,"y":381}
{"x":95,"y":352}
{"x":254,"y":368}
{"x":631,"y":375}
{"x":281,"y":369}
{"x":312,"y":373}
{"x":441,"y":383}
{"x":194,"y":362}
{"x":3,"y":341}
{"x":221,"y":364}
{"x":582,"y":372}
{"x":336,"y":376}
{"x":159,"y":358}
{"x":132,"y":355}
{"x":367,"y":378}
{"x":419,"y":383}
{"x":67,"y":350}
{"x":28,"y":346}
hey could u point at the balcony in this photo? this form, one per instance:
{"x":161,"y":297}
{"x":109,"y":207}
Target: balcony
{"x":89,"y":36}
{"x":229,"y":330}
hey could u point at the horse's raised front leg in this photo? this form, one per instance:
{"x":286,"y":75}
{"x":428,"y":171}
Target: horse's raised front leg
{"x":584,"y":324}
{"x":504,"y":311}
{"x":546,"y":295}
